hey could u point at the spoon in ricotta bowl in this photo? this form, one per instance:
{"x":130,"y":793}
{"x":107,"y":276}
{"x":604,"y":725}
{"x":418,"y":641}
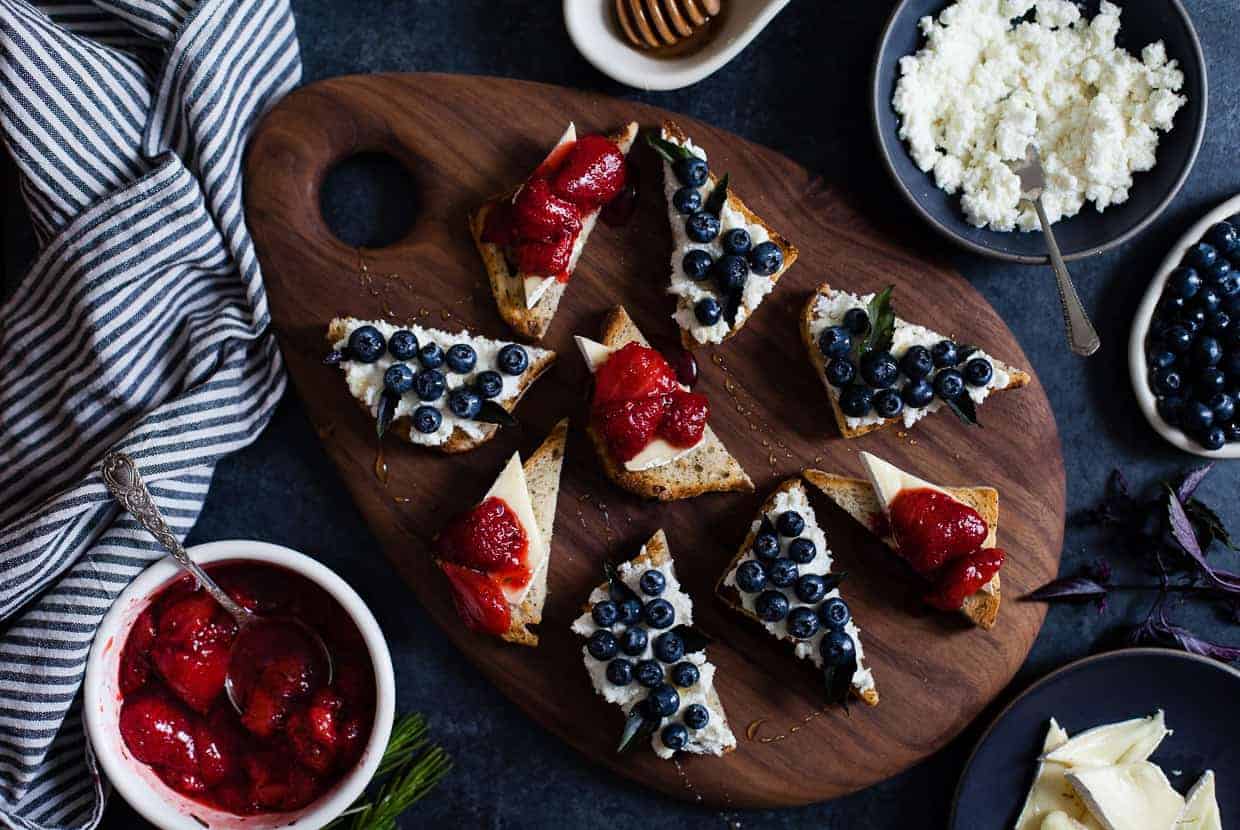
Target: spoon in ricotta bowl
{"x":1082,"y":337}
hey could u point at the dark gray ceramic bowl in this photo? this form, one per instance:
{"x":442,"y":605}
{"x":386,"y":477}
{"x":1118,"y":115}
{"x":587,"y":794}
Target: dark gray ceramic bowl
{"x":1089,"y":232}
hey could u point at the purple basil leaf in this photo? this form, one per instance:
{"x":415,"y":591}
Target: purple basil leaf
{"x":1189,"y":485}
{"x":1182,"y":532}
{"x":1161,"y":631}
{"x":1069,"y":588}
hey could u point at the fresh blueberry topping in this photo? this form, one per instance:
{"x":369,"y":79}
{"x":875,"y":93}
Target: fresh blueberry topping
{"x":1193,"y":320}
{"x":1207,"y":351}
{"x":1224,"y":238}
{"x":1207,"y":301}
{"x":1218,"y":323}
{"x":766,"y":545}
{"x":771,"y":606}
{"x":686,"y":675}
{"x":696,"y":716}
{"x":669,"y":647}
{"x":944,"y":353}
{"x":649,"y":673}
{"x":620,"y":672}
{"x":730,"y":273}
{"x":1210,"y":381}
{"x":1219,"y":271}
{"x":602,"y":645}
{"x":782,"y":573}
{"x":736,"y":241}
{"x":1213,"y":438}
{"x":811,"y":588}
{"x":398,"y":379}
{"x":1185,"y":282}
{"x":652,"y":583}
{"x":857,"y":321}
{"x":1160,"y":359}
{"x":426,"y":419}
{"x":751,"y":576}
{"x":691,"y":171}
{"x":687,"y":200}
{"x":856,"y":400}
{"x":917,"y":363}
{"x":1196,"y":417}
{"x":403,"y":345}
{"x":605,"y":613}
{"x":707,"y":311}
{"x":1170,"y":306}
{"x":1170,"y":409}
{"x":702,"y":226}
{"x":1231,"y":430}
{"x":835,"y":341}
{"x":366,"y":344}
{"x":837,"y":648}
{"x":664,"y":700}
{"x":766,"y":258}
{"x":790,"y":524}
{"x":978,"y":371}
{"x":1177,"y":339}
{"x":431,"y":356}
{"x":674,"y":736}
{"x":888,"y":403}
{"x":840,"y":371}
{"x":461,"y":358}
{"x":1167,"y":381}
{"x":513,"y":359}
{"x":834,"y":613}
{"x":917,"y":394}
{"x":697,"y":263}
{"x":949,"y":384}
{"x":1201,"y":256}
{"x":1229,"y":288}
{"x":1223,"y":406}
{"x":631,"y":613}
{"x":430,"y":385}
{"x":489,"y":384}
{"x":658,"y":613}
{"x":802,"y":622}
{"x":879,"y":369}
{"x":464,"y":403}
{"x":633,"y":641}
{"x":802,"y":551}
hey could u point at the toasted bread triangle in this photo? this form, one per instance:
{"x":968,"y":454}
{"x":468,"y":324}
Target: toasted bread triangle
{"x":531,"y":323}
{"x":857,"y":498}
{"x":708,"y":469}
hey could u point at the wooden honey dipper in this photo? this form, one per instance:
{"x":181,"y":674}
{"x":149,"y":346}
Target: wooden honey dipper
{"x":657,"y":24}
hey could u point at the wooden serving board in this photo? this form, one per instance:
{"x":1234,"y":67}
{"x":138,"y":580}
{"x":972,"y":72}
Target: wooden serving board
{"x":466,"y":138}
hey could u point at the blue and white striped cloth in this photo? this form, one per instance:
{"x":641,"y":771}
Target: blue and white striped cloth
{"x":142,"y":325}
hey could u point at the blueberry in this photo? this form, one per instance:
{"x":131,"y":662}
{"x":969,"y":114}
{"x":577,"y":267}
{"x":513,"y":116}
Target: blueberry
{"x":687,"y":200}
{"x":949,"y":384}
{"x":461,"y":358}
{"x":658,"y":613}
{"x":674,"y":736}
{"x":1219,"y":271}
{"x":1223,"y":237}
{"x":1229,"y":287}
{"x":1196,"y":417}
{"x":811,"y":588}
{"x":751,"y":576}
{"x":888,"y":403}
{"x":1207,"y":351}
{"x":771,"y":606}
{"x":730,"y":272}
{"x":366,"y":344}
{"x":978,"y":372}
{"x":1170,"y":306}
{"x":1231,"y":430}
{"x":1177,"y":339}
{"x":766,"y":546}
{"x":766,"y":258}
{"x":944,"y":353}
{"x":857,"y":321}
{"x":916,"y":363}
{"x":669,"y":647}
{"x":837,"y":648}
{"x":835,"y":341}
{"x":652,"y":583}
{"x":633,"y":641}
{"x":1170,"y":409}
{"x":431,"y":356}
{"x":802,"y":622}
{"x":1166,"y":381}
{"x":782,"y":573}
{"x":1207,"y":301}
{"x":464,"y":403}
{"x":840,"y":371}
{"x":403,"y":345}
{"x":686,"y":675}
{"x":649,"y":673}
{"x":1213,"y":438}
{"x":790,"y":524}
{"x":664,"y":700}
{"x":697,"y":263}
{"x":917,"y":394}
{"x":691,"y":171}
{"x":1218,"y":322}
{"x":834,"y":613}
{"x":430,"y":385}
{"x":620,"y":672}
{"x":1231,"y":363}
{"x":426,"y":419}
{"x":1193,"y":320}
{"x":702,"y":226}
{"x":1160,"y":359}
{"x":855,"y":400}
{"x":602,"y":645}
{"x":513,"y":359}
{"x":1223,"y":406}
{"x":1201,"y":256}
{"x":802,"y":551}
{"x":489,"y":384}
{"x":605,"y":613}
{"x":398,"y":379}
{"x":1185,"y":282}
{"x":737,"y":241}
{"x":631,"y":614}
{"x":696,"y":716}
{"x":879,"y":369}
{"x":1210,"y":381}
{"x":707,"y":311}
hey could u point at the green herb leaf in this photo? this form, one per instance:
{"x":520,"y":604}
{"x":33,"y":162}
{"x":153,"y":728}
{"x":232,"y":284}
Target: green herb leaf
{"x":333,"y":358}
{"x":839,"y":682}
{"x":387,"y":410}
{"x":714,"y":202}
{"x":693,"y":639}
{"x":670,"y":150}
{"x":638,"y":726}
{"x":767,"y":526}
{"x":965,"y":409}
{"x":618,"y":590}
{"x":731,"y":305}
{"x":493,"y":413}
{"x":882,"y":322}
{"x":834,"y":580}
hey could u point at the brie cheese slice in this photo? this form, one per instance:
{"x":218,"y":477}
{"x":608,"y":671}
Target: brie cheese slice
{"x":1051,"y":796}
{"x":1201,"y":807}
{"x":1128,"y":796}
{"x":888,"y":480}
{"x":1060,"y":820}
{"x":536,"y":286}
{"x":594,"y":353}
{"x":1126,"y":742}
{"x":512,"y":488}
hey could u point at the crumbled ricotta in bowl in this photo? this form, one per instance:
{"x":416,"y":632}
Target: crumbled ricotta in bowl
{"x":997,"y":75}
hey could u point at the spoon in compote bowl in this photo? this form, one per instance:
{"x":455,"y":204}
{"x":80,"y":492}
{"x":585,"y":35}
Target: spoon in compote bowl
{"x":258,"y":636}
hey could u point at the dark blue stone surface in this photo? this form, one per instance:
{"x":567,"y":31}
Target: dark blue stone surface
{"x":801,"y":89}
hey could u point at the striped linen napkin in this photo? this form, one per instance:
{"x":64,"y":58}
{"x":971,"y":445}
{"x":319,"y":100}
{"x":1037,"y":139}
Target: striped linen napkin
{"x":141,"y":326}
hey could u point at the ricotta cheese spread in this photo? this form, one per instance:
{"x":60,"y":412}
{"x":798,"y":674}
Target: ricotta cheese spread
{"x":829,"y":310}
{"x":796,"y":500}
{"x":688,"y":291}
{"x":997,"y":75}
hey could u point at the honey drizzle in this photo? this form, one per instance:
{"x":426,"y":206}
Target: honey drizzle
{"x":751,"y":731}
{"x":747,"y":408}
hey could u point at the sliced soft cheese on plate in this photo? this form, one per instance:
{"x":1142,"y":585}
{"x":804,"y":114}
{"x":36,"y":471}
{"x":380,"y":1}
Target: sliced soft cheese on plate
{"x":1124,"y":742}
{"x":1133,"y":796}
{"x":888,"y":480}
{"x":1060,"y":820}
{"x":1201,"y":807}
{"x":1051,"y":796}
{"x":512,"y":488}
{"x":536,"y":286}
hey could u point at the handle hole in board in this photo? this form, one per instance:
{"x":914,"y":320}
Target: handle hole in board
{"x":369,"y":200}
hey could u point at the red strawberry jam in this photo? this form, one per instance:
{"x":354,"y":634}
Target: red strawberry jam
{"x":932,"y":528}
{"x":479,"y":600}
{"x":964,"y":576}
{"x":593,"y":173}
{"x":490,"y":539}
{"x":297,"y":736}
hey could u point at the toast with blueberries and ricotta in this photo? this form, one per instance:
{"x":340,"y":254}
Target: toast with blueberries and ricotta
{"x":644,"y":655}
{"x":651,"y":432}
{"x":725,"y":259}
{"x":861,"y":499}
{"x":496,"y":555}
{"x":531,"y":237}
{"x":446,"y":391}
{"x":781,"y":577}
{"x":881,"y":370}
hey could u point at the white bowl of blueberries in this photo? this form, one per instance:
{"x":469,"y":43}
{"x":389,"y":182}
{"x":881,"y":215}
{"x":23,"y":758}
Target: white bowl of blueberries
{"x":1184,"y":352}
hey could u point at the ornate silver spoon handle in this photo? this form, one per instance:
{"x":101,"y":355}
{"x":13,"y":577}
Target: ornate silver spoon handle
{"x":1082,"y":337}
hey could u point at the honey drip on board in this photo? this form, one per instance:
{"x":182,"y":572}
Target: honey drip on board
{"x":751,"y":731}
{"x":747,"y":408}
{"x":381,"y":466}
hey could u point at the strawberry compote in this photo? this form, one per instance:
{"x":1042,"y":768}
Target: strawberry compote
{"x":297,"y":736}
{"x":539,"y":227}
{"x":482,"y":552}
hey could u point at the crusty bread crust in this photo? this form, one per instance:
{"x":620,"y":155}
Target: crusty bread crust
{"x":459,"y":441}
{"x":732,"y":597}
{"x":509,"y":288}
{"x":857,"y":498}
{"x":1018,"y":377}
{"x":708,"y":469}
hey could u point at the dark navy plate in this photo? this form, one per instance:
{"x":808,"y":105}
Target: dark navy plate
{"x":1198,"y":695}
{"x":1089,"y":232}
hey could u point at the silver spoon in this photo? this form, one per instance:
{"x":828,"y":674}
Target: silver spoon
{"x":121,"y":477}
{"x":1082,"y":337}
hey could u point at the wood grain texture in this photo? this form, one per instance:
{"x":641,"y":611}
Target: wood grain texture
{"x":466,"y":138}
